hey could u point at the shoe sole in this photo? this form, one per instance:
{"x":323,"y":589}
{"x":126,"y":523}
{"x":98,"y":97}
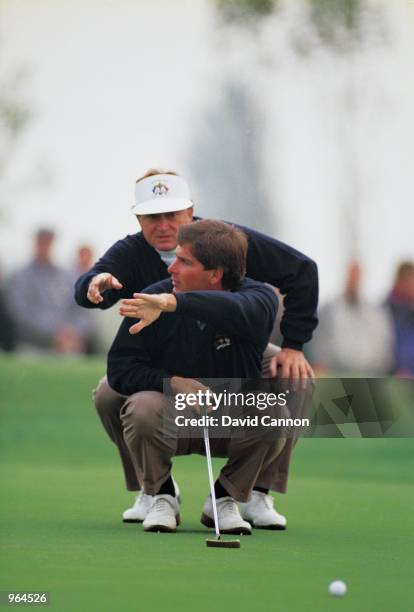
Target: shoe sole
{"x":269,"y":527}
{"x":164,"y":528}
{"x":160,"y":529}
{"x":209,"y":522}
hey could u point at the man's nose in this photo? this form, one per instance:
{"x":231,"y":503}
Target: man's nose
{"x":172,"y":266}
{"x":162,"y":223}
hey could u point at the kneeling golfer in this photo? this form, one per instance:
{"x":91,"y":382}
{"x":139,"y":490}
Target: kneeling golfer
{"x":207,"y":321}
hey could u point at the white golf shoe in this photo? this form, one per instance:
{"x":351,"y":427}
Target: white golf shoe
{"x":140,"y":509}
{"x":163,"y":515}
{"x":142,"y":505}
{"x":260,"y":513}
{"x":229,"y":518}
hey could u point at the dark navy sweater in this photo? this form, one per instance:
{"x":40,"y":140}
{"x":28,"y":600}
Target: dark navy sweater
{"x":212,"y":334}
{"x":136,"y":265}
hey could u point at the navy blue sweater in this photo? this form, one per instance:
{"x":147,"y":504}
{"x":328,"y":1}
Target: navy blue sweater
{"x":136,"y":265}
{"x":212,"y":334}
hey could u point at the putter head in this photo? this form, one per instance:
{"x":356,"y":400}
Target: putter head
{"x":223,"y":543}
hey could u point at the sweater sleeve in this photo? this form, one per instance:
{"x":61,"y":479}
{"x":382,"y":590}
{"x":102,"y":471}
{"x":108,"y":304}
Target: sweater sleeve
{"x":296,"y":277}
{"x":129,"y":359}
{"x":248,"y":313}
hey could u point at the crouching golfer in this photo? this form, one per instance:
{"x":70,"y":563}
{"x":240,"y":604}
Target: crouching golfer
{"x":207,"y":321}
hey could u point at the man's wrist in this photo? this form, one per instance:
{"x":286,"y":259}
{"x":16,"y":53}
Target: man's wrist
{"x":292,"y":345}
{"x":170,"y":303}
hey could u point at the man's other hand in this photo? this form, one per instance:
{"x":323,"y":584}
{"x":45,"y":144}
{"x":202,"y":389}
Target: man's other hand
{"x":291,"y":364}
{"x":100,"y":283}
{"x":189,"y":386}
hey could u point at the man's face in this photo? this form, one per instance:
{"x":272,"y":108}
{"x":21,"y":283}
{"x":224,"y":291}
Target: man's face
{"x":407,"y":287}
{"x":43,"y":249}
{"x":160,"y":230}
{"x":188,"y":274}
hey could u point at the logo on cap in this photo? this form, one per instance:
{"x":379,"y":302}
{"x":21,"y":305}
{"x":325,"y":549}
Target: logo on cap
{"x":160,"y":189}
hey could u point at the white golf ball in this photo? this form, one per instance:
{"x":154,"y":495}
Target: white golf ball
{"x":337,"y":588}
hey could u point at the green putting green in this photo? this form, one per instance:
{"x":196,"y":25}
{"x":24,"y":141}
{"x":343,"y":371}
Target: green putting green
{"x":349,"y":507}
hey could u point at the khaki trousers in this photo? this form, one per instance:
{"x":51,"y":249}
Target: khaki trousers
{"x":149,"y":429}
{"x":109,"y":405}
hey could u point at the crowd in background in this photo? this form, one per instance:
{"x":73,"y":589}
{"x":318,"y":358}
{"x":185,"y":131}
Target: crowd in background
{"x":38,"y":314}
{"x":356,"y":336}
{"x":37,"y":308}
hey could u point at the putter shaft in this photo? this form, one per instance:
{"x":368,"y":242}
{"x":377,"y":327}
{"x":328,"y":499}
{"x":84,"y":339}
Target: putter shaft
{"x":211,"y":481}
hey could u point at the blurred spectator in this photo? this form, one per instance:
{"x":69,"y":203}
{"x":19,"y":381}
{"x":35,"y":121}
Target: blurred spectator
{"x":353,"y":336}
{"x":401,"y":305}
{"x":84,"y":260}
{"x":86,"y":319}
{"x":7,"y":327}
{"x":40,"y":300}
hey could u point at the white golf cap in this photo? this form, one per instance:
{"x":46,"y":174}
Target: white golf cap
{"x":161,"y":193}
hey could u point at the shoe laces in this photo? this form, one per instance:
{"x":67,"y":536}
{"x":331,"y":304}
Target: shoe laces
{"x":140,"y":498}
{"x":160,"y":504}
{"x":266,"y":500}
{"x":229,"y":506}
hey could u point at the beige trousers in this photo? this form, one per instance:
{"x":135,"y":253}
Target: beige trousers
{"x":109,"y":405}
{"x":148,"y":423}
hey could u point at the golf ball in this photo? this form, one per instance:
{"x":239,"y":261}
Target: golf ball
{"x":337,"y":588}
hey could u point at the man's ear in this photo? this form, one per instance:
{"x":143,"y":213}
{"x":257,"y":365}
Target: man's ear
{"x":216,"y":275}
{"x":190,"y":213}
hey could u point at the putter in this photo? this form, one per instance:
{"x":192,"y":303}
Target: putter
{"x":218,"y":542}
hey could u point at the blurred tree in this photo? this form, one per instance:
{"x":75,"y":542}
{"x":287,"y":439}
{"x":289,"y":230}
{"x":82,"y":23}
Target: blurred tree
{"x":225,"y":159}
{"x":342,"y":26}
{"x":15,"y":115}
{"x":242,"y":11}
{"x":337,"y":22}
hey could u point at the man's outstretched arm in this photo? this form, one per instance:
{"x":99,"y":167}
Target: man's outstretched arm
{"x":249,"y":312}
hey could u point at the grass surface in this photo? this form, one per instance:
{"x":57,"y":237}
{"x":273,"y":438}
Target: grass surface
{"x":350,"y":511}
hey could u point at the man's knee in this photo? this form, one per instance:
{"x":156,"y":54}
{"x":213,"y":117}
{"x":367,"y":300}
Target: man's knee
{"x":143,"y":412}
{"x":279,"y":446}
{"x":107,"y":402}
